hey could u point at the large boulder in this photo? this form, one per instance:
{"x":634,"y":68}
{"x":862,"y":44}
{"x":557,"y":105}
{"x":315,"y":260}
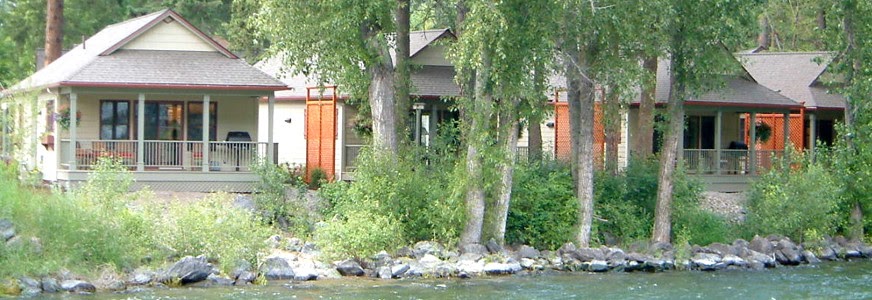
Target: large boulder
{"x":502,"y":268}
{"x":528,"y":252}
{"x":707,"y":262}
{"x":50,"y":285}
{"x":277,"y":268}
{"x":188,"y":270}
{"x":723,"y":249}
{"x":567,"y":248}
{"x":78,"y":286}
{"x":29,"y":287}
{"x":588,"y":254}
{"x":827,"y":253}
{"x":761,"y":245}
{"x":597,"y":265}
{"x":428,"y":247}
{"x":350,"y":267}
{"x":399,"y":270}
{"x":493,"y":247}
{"x":787,"y":253}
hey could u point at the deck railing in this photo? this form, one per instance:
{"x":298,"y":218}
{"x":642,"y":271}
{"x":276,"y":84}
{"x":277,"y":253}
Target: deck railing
{"x":166,"y":155}
{"x":705,"y":161}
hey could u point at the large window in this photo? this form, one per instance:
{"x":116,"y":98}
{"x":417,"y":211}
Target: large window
{"x":699,"y":132}
{"x":195,"y":121}
{"x":163,"y":121}
{"x":114,"y":120}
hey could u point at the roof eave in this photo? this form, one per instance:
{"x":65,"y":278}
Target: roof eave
{"x":218,"y":87}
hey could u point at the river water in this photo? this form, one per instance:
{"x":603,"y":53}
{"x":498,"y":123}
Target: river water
{"x":839,"y":280}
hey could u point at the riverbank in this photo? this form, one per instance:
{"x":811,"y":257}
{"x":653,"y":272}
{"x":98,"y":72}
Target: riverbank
{"x":295,"y":261}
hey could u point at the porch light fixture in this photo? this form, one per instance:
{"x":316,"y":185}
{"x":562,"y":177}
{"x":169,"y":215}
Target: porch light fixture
{"x":550,"y":125}
{"x":288,"y":120}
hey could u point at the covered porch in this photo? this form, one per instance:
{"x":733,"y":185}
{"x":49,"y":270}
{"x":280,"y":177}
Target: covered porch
{"x":176,"y":144}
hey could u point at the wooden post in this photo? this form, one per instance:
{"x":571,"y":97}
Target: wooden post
{"x":140,"y":133}
{"x":207,"y":114}
{"x":812,"y":134}
{"x":74,"y":99}
{"x":719,"y":121}
{"x":271,"y":107}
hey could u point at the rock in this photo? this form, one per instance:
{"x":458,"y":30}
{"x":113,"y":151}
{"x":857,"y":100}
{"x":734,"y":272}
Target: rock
{"x":385,"y":272}
{"x":787,"y":253}
{"x":245,"y":278}
{"x":470,"y":256}
{"x":274,"y":242}
{"x":349,"y":268}
{"x":276,"y":268}
{"x":50,"y":285}
{"x":501,"y":268}
{"x":761,"y":245}
{"x":29,"y":287}
{"x":405,"y":252}
{"x":566,"y":249}
{"x":528,"y":252}
{"x":741,"y":247}
{"x":219,"y":280}
{"x":242,"y":266}
{"x":827,"y":253}
{"x":309,"y":248}
{"x":294,"y":245}
{"x":430,"y":261}
{"x":841,"y":241}
{"x":616,"y":254}
{"x":810,"y":258}
{"x":7,"y":230}
{"x":866,"y":251}
{"x":757,"y":257}
{"x":118,"y":285}
{"x":723,"y":249}
{"x":588,"y":254}
{"x":428,"y":247}
{"x":382,"y":256}
{"x":470,"y":267}
{"x":659,"y":247}
{"x":527,"y":263}
{"x":305,"y":274}
{"x":141,"y":278}
{"x":188,"y":270}
{"x":733,"y":260}
{"x":707,"y":262}
{"x":493,"y":247}
{"x":399,"y":270}
{"x":597,"y":265}
{"x":78,"y":286}
{"x":474,"y":248}
{"x":245,"y":202}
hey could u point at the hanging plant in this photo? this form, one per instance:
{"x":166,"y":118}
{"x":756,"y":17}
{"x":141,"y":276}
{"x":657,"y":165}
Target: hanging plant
{"x":764,"y":131}
{"x":63,"y":117}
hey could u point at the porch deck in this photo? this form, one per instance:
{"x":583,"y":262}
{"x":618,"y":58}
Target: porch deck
{"x":729,"y":170}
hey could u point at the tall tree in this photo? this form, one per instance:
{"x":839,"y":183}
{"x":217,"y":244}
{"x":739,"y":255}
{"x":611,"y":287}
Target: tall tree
{"x":355,"y":54}
{"x":402,"y":76}
{"x":54,"y":30}
{"x":701,"y":38}
{"x":643,"y":140}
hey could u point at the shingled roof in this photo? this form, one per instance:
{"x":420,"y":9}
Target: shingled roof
{"x":427,"y":81}
{"x":794,"y":75}
{"x":101,"y":62}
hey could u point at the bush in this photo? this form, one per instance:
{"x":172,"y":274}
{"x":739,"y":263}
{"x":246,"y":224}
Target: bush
{"x":276,"y":205}
{"x":793,"y":201}
{"x":403,"y":193}
{"x":543,"y":209}
{"x":358,"y":234}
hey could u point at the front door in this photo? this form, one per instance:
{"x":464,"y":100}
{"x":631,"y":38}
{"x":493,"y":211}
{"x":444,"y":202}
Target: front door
{"x":164,"y":121}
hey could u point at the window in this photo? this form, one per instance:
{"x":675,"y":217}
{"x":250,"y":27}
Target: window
{"x":195,"y":121}
{"x":49,"y":116}
{"x":114,"y":120}
{"x":163,"y":121}
{"x":699,"y":132}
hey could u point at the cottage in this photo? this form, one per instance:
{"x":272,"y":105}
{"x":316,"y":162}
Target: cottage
{"x":176,"y":107}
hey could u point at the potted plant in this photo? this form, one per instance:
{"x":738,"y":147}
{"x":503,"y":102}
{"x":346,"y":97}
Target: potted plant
{"x":47,"y":140}
{"x":764,"y":131}
{"x":63,"y":117}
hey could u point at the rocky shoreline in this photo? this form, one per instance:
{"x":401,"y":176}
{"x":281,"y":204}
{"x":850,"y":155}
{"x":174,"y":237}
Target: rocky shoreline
{"x":292,"y":259}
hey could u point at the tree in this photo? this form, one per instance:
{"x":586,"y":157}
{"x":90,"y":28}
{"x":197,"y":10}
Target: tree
{"x":355,"y":54}
{"x":54,"y":30}
{"x":699,"y":36}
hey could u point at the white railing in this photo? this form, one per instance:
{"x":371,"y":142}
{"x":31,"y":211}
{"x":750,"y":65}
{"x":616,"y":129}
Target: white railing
{"x":705,"y":161}
{"x":166,"y":155}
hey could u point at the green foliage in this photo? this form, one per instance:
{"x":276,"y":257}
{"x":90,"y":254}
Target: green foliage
{"x":794,"y":200}
{"x":317,"y":178}
{"x":273,"y":199}
{"x":625,"y":205}
{"x":211,"y":227}
{"x":409,"y":198}
{"x":543,"y":208}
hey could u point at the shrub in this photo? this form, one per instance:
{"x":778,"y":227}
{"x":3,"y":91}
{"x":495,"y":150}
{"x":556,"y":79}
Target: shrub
{"x":275,"y":203}
{"x":358,"y":234}
{"x":543,"y":208}
{"x":793,"y":201}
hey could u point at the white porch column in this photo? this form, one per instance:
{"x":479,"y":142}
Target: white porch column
{"x":752,"y":144}
{"x":140,"y":133}
{"x":204,"y":153}
{"x":719,"y":121}
{"x":812,"y":134}
{"x":271,"y":108}
{"x":74,"y":99}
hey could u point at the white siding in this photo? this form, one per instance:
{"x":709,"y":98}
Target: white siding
{"x":433,"y":55}
{"x":289,"y":136}
{"x":169,"y":36}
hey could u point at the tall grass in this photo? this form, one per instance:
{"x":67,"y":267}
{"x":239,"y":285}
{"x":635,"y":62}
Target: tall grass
{"x":96,"y":226}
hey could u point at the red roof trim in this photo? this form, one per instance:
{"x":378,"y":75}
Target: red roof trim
{"x":171,"y":14}
{"x":727,"y":104}
{"x":172,"y":86}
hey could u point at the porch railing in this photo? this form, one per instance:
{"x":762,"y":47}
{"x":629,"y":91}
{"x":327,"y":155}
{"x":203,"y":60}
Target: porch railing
{"x":732,"y":162}
{"x":166,"y":155}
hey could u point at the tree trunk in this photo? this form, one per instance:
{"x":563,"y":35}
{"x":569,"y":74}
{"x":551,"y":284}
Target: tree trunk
{"x":534,"y":138}
{"x":381,"y":99}
{"x":763,"y":38}
{"x":643,"y":141}
{"x":475,"y":194}
{"x":54,"y":30}
{"x":857,"y":222}
{"x":856,"y":66}
{"x":669,"y":158}
{"x":402,"y":73}
{"x":509,"y":125}
{"x":581,"y":110}
{"x":612,"y":123}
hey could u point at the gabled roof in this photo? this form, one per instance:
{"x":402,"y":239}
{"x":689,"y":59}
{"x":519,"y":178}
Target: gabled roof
{"x":100,"y":61}
{"x":427,"y":81}
{"x":737,"y":91}
{"x":794,"y":75}
{"x":419,"y":40}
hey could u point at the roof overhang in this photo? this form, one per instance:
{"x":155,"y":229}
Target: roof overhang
{"x":217,"y":87}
